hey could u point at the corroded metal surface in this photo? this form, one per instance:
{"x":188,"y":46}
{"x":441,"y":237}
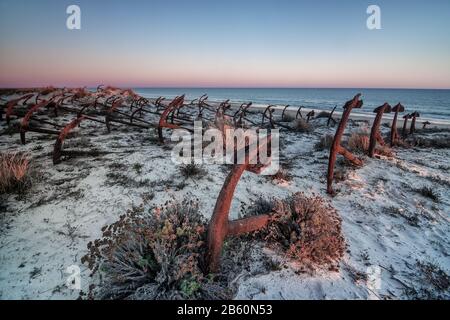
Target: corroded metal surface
{"x":414,"y":116}
{"x":406,"y":117}
{"x":163,"y":123}
{"x":57,"y":149}
{"x":24,"y":124}
{"x":336,"y":147}
{"x":375,"y":135}
{"x":394,"y":132}
{"x":219,"y":227}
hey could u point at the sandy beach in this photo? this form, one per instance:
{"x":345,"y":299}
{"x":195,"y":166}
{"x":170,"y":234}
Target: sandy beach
{"x":393,"y":230}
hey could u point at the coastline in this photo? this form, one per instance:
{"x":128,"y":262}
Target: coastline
{"x":387,"y":118}
{"x":355,"y":115}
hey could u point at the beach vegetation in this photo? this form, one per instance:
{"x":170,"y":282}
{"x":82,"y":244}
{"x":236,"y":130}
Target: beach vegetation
{"x":358,"y":142}
{"x":300,"y":125}
{"x":15,"y":173}
{"x":155,"y":254}
{"x":428,"y":192}
{"x":192,"y":170}
{"x":307,"y":228}
{"x":324,"y":143}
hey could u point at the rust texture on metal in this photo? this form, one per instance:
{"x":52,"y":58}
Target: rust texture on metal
{"x":394,"y":137}
{"x":57,"y":149}
{"x":11,"y":104}
{"x":219,"y":227}
{"x":425,"y":124}
{"x":25,"y":123}
{"x":336,"y":147}
{"x":414,"y":116}
{"x":116,"y":103}
{"x":159,"y":103}
{"x":406,"y":117}
{"x":375,"y":134}
{"x":246,"y":225}
{"x":174,"y":105}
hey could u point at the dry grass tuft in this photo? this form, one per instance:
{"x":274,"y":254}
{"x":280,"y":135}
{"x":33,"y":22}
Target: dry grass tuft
{"x":432,"y":282}
{"x":261,"y":205}
{"x":14,"y":172}
{"x":300,"y":125}
{"x":281,"y":175}
{"x":434,"y":275}
{"x":324,"y":143}
{"x":308,"y":228}
{"x":340,"y":174}
{"x":359,"y":142}
{"x":192,"y":170}
{"x":384,"y":151}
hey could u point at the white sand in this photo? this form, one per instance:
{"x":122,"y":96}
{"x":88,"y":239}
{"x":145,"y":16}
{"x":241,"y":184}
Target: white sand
{"x":48,"y":230}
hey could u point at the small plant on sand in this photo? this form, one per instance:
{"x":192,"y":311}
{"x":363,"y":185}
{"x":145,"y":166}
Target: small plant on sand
{"x":340,"y":174}
{"x":117,"y":166}
{"x":431,"y":282}
{"x":439,"y":142}
{"x":358,"y":142}
{"x":192,"y":170}
{"x":281,"y":175}
{"x":411,"y":218}
{"x":154,"y":255}
{"x":15,"y":173}
{"x":324,"y":143}
{"x":116,"y":178}
{"x":38,"y":147}
{"x":300,"y":125}
{"x":261,"y":205}
{"x":308,"y":229}
{"x":428,"y":192}
{"x":384,"y":151}
{"x":288,"y":117}
{"x":138,"y":167}
{"x":434,"y":275}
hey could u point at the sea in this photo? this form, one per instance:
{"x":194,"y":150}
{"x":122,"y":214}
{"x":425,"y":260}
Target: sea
{"x":430,"y":103}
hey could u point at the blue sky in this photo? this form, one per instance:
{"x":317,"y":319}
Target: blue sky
{"x":226,"y":43}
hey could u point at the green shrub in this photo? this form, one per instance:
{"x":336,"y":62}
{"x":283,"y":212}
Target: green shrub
{"x":154,"y":255}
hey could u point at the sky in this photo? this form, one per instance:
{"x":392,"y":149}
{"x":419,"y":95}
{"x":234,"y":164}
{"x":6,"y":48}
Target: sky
{"x":214,"y":43}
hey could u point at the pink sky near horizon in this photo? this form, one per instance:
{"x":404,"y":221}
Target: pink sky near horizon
{"x":208,"y":72}
{"x":303,"y":46}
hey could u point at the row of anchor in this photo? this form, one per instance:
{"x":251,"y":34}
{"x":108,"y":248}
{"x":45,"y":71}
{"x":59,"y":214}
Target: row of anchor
{"x":112,"y":107}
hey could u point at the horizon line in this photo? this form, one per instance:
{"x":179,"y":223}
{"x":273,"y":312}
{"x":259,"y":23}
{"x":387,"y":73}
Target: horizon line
{"x":225,"y":87}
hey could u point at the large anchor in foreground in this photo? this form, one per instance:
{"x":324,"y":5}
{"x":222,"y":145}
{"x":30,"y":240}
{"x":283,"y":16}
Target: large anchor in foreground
{"x":220,"y":227}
